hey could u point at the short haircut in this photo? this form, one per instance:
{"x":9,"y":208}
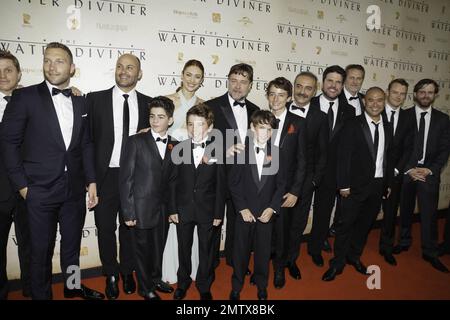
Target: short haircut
{"x":280,"y":83}
{"x":307,"y":74}
{"x":263,"y":117}
{"x":334,"y":68}
{"x":400,"y":81}
{"x":58,"y":45}
{"x":243,"y":69}
{"x":203,"y":111}
{"x":357,"y":67}
{"x":423,"y":82}
{"x":9,"y":56}
{"x":162,"y":102}
{"x":374,"y":89}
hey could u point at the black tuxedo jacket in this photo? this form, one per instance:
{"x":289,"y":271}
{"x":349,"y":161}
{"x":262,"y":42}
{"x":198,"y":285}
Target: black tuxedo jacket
{"x":6,"y":190}
{"x":100,"y":105}
{"x":356,"y":155}
{"x":34,"y":151}
{"x":144,"y":179}
{"x":197,"y":194}
{"x":360,"y":99}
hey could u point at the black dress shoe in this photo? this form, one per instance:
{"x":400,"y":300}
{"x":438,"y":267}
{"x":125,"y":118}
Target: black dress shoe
{"x":279,"y":280}
{"x":294,"y":271}
{"x":206,"y":296}
{"x":326,"y":246}
{"x":234,"y":295}
{"x":84,"y":292}
{"x":358,"y":266}
{"x":252,"y":280}
{"x":442,"y":249}
{"x":152,"y":295}
{"x":112,"y":287}
{"x":330,"y":274}
{"x":317,"y":259}
{"x":129,"y":285}
{"x":163,"y":287}
{"x":399,"y":249}
{"x":436,"y":263}
{"x":262,"y":294}
{"x":248,"y":272}
{"x":179,"y":294}
{"x":389,"y":258}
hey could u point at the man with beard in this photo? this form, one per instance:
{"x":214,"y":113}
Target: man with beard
{"x":423,"y":171}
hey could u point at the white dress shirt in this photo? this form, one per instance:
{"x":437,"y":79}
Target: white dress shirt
{"x":427,"y":128}
{"x":298,"y":112}
{"x":380,"y":152}
{"x":3,"y":104}
{"x":240,"y":114}
{"x":161,"y":145}
{"x":354,"y":102}
{"x":325,"y":105}
{"x":118,"y":101}
{"x":198,"y":152}
{"x":259,"y":157}
{"x":389,"y":110}
{"x":282,"y":119}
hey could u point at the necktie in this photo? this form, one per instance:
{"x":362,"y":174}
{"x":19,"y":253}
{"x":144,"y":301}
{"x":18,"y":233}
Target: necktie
{"x":352,"y":98}
{"x":302,"y":109}
{"x":241,"y":104}
{"x":331,"y":117}
{"x":376,"y":139}
{"x":258,"y":149}
{"x":277,"y":123}
{"x":125,"y":121}
{"x":161,"y":140}
{"x":421,"y":135}
{"x":66,"y":92}
{"x":7,"y":98}
{"x":391,"y":120}
{"x":201,"y":145}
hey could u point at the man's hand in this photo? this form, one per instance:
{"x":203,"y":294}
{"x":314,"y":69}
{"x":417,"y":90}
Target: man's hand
{"x":216,"y":222}
{"x":237,"y":148}
{"x":266,"y":215}
{"x":92,"y":195}
{"x":416,"y":175}
{"x":130,"y":223}
{"x":76,"y":92}
{"x":423,"y":172}
{"x":248,"y":216}
{"x":290,"y":200}
{"x":23,"y":192}
{"x":173,"y":218}
{"x":144,"y":130}
{"x":344,"y":192}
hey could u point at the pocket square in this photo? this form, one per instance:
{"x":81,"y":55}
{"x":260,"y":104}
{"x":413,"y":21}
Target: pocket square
{"x":212,"y":160}
{"x":84,"y":115}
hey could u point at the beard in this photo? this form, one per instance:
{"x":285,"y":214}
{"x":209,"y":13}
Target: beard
{"x":423,"y":103}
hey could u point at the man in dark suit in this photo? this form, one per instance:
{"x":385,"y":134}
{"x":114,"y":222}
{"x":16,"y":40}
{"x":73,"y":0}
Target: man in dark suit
{"x":305,"y":85}
{"x":422,"y":172}
{"x":363,"y":175}
{"x":144,"y":177}
{"x":12,"y":206}
{"x":233,"y":111}
{"x":402,"y":123}
{"x":116,"y":113}
{"x":53,"y":170}
{"x":197,"y":198}
{"x":338,"y":112}
{"x":290,"y":138}
{"x":352,"y":86}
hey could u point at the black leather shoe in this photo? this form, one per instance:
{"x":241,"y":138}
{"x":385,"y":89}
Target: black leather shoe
{"x":163,"y":287}
{"x":234,"y":295}
{"x":279,"y":280}
{"x":294,"y":271}
{"x":389,"y":258}
{"x":179,"y":294}
{"x":326,"y":246}
{"x":262,"y":294}
{"x":252,"y":280}
{"x":331,"y":274}
{"x":206,"y":296}
{"x":248,"y":272}
{"x":358,"y":266}
{"x":112,"y":287}
{"x":436,"y":263}
{"x":84,"y":292}
{"x":129,"y":285}
{"x":152,"y":295}
{"x":317,"y":259}
{"x":442,"y":249}
{"x":399,"y":249}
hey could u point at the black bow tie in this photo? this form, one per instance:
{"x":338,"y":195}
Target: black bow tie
{"x":162,"y":140}
{"x":241,"y":104}
{"x":7,"y":98}
{"x":352,"y":98}
{"x":195,"y":145}
{"x":67,"y":92}
{"x":302,"y":109}
{"x":258,"y":149}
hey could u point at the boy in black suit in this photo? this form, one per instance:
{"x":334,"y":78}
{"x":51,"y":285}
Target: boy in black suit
{"x":197,"y":198}
{"x":144,"y":175}
{"x":257,"y":187}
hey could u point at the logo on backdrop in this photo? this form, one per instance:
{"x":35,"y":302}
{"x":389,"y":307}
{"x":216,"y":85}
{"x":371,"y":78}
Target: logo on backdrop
{"x":418,"y":6}
{"x":348,"y":5}
{"x":250,"y":5}
{"x":383,"y":63}
{"x":399,"y":33}
{"x":297,"y":67}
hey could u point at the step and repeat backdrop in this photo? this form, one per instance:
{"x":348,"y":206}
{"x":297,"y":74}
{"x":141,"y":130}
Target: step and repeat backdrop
{"x":390,"y":38}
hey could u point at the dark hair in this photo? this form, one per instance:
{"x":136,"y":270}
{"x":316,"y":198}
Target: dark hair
{"x":307,"y":74}
{"x":243,"y":69}
{"x":374,"y":89}
{"x":357,"y":67}
{"x":203,"y":111}
{"x":419,"y":85}
{"x":58,"y":45}
{"x":162,"y":102}
{"x":191,"y":63}
{"x":335,"y":68}
{"x":9,"y":56}
{"x":400,"y":81}
{"x":280,"y":83}
{"x":263,"y":117}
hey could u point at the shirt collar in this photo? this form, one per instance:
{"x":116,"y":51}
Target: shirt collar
{"x":282,"y":117}
{"x":231,"y":100}
{"x":156,"y":135}
{"x":420,"y":110}
{"x":50,"y":87}
{"x":348,"y":94}
{"x":118,"y":92}
{"x":370,"y":120}
{"x":325,"y":100}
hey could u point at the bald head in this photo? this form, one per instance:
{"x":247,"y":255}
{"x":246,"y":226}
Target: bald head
{"x":128,"y":72}
{"x":374,"y":102}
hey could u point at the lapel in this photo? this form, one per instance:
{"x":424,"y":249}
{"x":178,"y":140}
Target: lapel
{"x":367,"y":136}
{"x":284,"y":130}
{"x":142,"y":112}
{"x":388,"y":136}
{"x":168,"y":153}
{"x":228,"y":112}
{"x":107,"y":112}
{"x":431,"y":132}
{"x":49,"y":113}
{"x":151,"y":143}
{"x":249,"y":112}
{"x":254,"y":167}
{"x":77,"y":103}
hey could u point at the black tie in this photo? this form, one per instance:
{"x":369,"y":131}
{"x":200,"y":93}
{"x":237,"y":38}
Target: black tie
{"x":331,"y":117}
{"x":7,"y":98}
{"x":241,"y":104}
{"x":302,"y":109}
{"x":421,"y":134}
{"x":162,"y":140}
{"x":201,"y":145}
{"x":126,"y":121}
{"x":277,"y":123}
{"x":258,"y":149}
{"x":391,"y":121}
{"x":376,"y":139}
{"x":352,"y":98}
{"x":66,"y":92}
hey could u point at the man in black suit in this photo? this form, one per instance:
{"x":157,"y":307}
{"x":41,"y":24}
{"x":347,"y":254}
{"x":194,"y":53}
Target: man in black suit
{"x":144,"y":177}
{"x":402,"y":123}
{"x":422,"y":172}
{"x":305,"y":85}
{"x":116,"y":113}
{"x":53,"y":170}
{"x":338,"y":112}
{"x":290,"y":138}
{"x":12,"y":206}
{"x":352,"y":86}
{"x":233,"y":111}
{"x":363,"y":175}
{"x":197,"y":198}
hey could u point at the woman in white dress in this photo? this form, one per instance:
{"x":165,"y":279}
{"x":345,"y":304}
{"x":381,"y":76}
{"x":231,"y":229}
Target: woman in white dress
{"x":184,"y":98}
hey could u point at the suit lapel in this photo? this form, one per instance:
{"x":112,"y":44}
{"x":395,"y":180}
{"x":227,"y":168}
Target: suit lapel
{"x":367,"y":136}
{"x":109,"y":116}
{"x":142,"y":110}
{"x":150,"y":141}
{"x":431,"y":132}
{"x":287,"y":123}
{"x":228,"y":112}
{"x":77,"y":117}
